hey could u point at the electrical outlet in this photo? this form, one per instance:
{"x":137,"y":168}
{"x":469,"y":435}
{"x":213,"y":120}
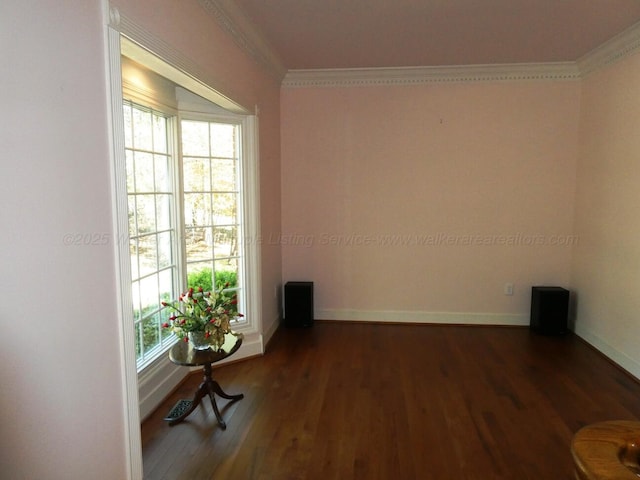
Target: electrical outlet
{"x":508,"y":288}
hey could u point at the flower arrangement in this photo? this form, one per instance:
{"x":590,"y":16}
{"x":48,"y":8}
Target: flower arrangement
{"x":206,"y":313}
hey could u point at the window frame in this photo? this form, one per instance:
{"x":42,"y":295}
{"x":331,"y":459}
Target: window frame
{"x":236,"y":121}
{"x":174,"y":118}
{"x":172,"y":133}
{"x":122,"y":36}
{"x":203,"y":107}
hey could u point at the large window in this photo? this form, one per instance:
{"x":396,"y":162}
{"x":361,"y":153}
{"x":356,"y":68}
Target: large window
{"x":150,"y":98}
{"x":152,"y":224}
{"x":211,"y":156}
{"x":184,"y":188}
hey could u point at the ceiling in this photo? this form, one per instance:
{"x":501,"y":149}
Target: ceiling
{"x":321,"y":34}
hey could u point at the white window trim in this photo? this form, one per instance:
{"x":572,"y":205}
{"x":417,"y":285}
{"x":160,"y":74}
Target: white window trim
{"x":115,"y":26}
{"x":249,"y":212}
{"x":158,"y":377}
{"x":171,"y":115}
{"x":133,"y":446}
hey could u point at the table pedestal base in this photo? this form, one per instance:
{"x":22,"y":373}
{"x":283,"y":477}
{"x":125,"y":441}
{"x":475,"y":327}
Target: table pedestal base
{"x":208,"y":387}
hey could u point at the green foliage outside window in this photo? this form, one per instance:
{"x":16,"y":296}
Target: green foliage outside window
{"x":203,"y":278}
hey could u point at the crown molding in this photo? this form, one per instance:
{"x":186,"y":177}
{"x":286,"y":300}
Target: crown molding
{"x":365,"y":77}
{"x":246,"y":36}
{"x":236,"y":23}
{"x":621,"y":46}
{"x":617,"y":48}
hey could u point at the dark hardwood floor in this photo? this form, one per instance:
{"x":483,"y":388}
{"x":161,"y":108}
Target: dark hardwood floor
{"x":363,"y":401}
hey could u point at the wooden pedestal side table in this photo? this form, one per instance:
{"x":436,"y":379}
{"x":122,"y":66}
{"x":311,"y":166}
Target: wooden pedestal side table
{"x":182,"y":353}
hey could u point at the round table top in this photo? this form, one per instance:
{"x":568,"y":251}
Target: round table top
{"x":607,"y":450}
{"x":182,"y":353}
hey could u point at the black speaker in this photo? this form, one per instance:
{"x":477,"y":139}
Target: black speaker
{"x":549,"y":310}
{"x":298,"y":304}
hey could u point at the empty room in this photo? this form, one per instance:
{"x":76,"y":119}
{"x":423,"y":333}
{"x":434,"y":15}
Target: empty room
{"x":400,"y":239}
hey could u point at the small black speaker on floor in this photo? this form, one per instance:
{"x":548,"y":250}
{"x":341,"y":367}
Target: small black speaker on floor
{"x":549,"y":310}
{"x":298,"y":304}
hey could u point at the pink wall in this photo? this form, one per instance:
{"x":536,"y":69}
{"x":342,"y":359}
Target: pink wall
{"x":606,"y":271}
{"x":61,"y":408}
{"x":424,"y":166}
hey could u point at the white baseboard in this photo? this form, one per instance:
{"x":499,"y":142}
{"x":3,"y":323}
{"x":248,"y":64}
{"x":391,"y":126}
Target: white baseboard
{"x":616,"y":356}
{"x":400,"y":316}
{"x":275,"y":324}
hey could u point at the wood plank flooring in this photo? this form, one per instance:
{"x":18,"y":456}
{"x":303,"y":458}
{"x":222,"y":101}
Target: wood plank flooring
{"x":370,"y":401}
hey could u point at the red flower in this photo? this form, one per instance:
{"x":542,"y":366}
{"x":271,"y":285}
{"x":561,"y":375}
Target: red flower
{"x":172,"y":317}
{"x":165,"y":325}
{"x":234,"y":302}
{"x":207,"y":334}
{"x":200,"y":289}
{"x":186,"y":339}
{"x":239,"y":314}
{"x":164,"y":304}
